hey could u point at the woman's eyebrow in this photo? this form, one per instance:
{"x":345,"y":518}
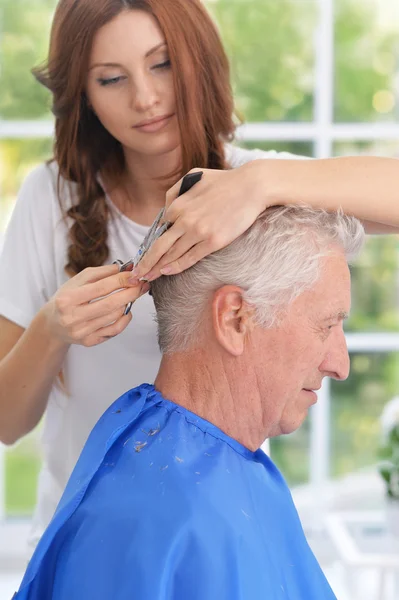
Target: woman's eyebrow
{"x":155,"y":48}
{"x":112,"y":64}
{"x":106,"y":64}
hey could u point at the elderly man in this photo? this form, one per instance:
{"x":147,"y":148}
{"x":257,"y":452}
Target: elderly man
{"x":172,"y":497}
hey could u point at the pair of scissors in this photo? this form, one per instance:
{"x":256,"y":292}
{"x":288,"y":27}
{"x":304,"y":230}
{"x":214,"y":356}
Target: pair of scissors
{"x":155,"y":231}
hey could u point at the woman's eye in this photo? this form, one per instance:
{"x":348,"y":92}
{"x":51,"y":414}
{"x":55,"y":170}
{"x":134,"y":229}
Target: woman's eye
{"x":163,"y":65}
{"x":109,"y":81}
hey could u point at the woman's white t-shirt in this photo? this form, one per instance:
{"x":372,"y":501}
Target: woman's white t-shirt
{"x":32,"y":264}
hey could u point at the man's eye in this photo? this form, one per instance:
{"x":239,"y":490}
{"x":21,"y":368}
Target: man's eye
{"x":164,"y":65}
{"x":109,"y":81}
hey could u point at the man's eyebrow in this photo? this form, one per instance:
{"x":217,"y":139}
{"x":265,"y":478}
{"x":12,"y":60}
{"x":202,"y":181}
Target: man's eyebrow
{"x":339,"y":316}
{"x":112,"y":64}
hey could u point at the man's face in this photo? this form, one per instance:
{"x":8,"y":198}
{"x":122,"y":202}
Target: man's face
{"x":307,"y":345}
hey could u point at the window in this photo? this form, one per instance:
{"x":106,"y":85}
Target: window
{"x":25,"y":140}
{"x":313,"y":77}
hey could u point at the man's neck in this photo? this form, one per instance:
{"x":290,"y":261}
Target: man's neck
{"x":218,"y":393}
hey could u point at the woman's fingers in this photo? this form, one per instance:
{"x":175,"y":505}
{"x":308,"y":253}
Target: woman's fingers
{"x":90,"y":301}
{"x":179,"y":253}
{"x":106,"y":306}
{"x":105,"y":333}
{"x":86,"y":325}
{"x":86,"y":328}
{"x":174,"y":207}
{"x":216,"y":211}
{"x":186,"y":260}
{"x":115,"y":328}
{"x":93,"y":274}
{"x":158,"y":249}
{"x":98,"y":289}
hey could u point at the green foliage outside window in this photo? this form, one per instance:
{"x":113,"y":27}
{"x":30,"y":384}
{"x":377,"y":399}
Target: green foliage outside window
{"x":24,"y":38}
{"x":366,"y":61}
{"x":271,"y":52}
{"x":271,"y":47}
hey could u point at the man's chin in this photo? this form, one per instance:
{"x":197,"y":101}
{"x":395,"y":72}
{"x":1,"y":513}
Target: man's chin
{"x":287,"y":427}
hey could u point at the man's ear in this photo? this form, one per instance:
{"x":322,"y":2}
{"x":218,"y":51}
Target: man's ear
{"x":232,"y":319}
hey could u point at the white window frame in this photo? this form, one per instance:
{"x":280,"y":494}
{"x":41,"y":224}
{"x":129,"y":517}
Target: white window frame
{"x":323,"y":132}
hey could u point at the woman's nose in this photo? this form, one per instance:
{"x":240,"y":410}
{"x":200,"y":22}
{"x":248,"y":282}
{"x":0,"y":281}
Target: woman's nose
{"x":143,"y":95}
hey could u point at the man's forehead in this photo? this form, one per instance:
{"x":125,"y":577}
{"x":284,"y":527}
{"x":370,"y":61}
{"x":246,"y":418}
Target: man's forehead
{"x":323,"y":307}
{"x":332,"y":293}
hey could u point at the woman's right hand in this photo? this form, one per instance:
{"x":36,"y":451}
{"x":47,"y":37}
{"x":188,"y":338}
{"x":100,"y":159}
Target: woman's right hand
{"x":85,"y":310}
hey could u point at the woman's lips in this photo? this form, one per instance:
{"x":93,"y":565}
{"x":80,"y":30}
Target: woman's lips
{"x":154,"y":125}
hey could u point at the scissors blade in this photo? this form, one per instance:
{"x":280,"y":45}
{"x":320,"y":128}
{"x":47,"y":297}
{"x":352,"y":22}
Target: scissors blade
{"x":152,"y":234}
{"x":149,"y":239}
{"x":155,"y":230}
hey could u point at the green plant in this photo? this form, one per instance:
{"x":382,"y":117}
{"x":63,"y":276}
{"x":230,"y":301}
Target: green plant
{"x":389,"y":450}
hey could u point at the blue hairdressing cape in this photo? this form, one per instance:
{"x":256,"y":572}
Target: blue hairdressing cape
{"x":163,"y":505}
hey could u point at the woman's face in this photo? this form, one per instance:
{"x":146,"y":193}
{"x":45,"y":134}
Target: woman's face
{"x":130,"y":84}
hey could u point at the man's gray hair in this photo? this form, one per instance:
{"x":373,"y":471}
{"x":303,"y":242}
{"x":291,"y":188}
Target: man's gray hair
{"x":274,"y":261}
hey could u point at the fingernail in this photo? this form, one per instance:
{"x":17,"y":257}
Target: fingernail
{"x":166,"y":270}
{"x":133,"y":280}
{"x":148,"y":277}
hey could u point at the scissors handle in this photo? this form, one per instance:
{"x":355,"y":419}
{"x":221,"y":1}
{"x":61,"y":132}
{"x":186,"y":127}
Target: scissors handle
{"x":127,"y":266}
{"x":188,"y":181}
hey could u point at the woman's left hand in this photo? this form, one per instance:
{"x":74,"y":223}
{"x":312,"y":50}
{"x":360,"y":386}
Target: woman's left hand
{"x":213,"y":213}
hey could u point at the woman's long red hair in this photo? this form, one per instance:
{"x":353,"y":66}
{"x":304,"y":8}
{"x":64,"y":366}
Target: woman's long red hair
{"x":83,"y":148}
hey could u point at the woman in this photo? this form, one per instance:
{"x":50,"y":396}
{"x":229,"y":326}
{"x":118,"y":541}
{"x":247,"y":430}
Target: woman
{"x":141,"y":95}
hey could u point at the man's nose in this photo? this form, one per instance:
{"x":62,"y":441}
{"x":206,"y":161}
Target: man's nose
{"x":336,"y":364}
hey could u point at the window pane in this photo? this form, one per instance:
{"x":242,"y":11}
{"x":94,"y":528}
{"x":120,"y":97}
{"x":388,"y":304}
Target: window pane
{"x":17,"y":158}
{"x":356,"y":407}
{"x":375,"y":147}
{"x":22,"y":464}
{"x":24,"y":38}
{"x":375,"y":286}
{"x":366,"y":60}
{"x":295,"y":147}
{"x":291,"y":454}
{"x":270,"y":45}
{"x":375,"y":274}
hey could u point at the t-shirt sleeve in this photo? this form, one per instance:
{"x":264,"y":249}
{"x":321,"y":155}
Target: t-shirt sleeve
{"x":27,"y":261}
{"x":236,"y":156}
